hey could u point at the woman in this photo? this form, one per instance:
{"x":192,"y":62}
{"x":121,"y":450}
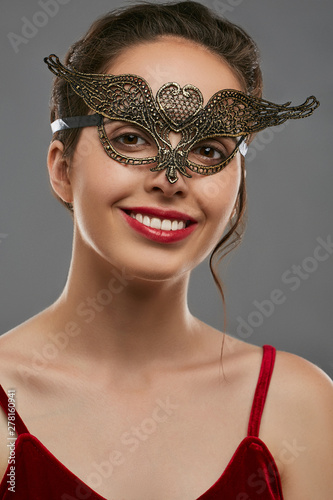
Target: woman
{"x":123,"y":358}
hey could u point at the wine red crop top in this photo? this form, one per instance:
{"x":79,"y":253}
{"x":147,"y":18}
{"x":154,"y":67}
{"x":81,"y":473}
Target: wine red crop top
{"x":251,"y":473}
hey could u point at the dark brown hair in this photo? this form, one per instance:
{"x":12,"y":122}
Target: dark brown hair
{"x":112,"y":33}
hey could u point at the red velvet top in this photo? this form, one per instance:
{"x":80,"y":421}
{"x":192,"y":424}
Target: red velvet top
{"x":251,"y":473}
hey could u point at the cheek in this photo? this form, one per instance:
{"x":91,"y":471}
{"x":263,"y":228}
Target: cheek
{"x":97,"y":180}
{"x":99,"y":183}
{"x":216,"y":196}
{"x":219,"y":193}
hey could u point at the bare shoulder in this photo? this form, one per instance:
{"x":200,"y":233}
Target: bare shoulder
{"x":300,"y":396}
{"x":303,"y":383}
{"x":21,"y":362}
{"x":22,"y":370}
{"x":14,"y":351}
{"x":18,"y":344}
{"x":300,"y":411}
{"x":297,"y":422}
{"x":304,"y":394}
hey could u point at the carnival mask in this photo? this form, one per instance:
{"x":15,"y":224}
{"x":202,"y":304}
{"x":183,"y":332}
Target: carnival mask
{"x":125,"y":110}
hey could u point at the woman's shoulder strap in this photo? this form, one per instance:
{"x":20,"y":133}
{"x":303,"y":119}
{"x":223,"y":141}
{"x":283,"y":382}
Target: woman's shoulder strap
{"x":266,"y":370}
{"x":7,"y":402}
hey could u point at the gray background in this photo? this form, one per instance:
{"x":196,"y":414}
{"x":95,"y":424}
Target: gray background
{"x":290,"y":176}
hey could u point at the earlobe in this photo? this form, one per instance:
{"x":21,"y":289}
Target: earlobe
{"x":233,"y":213}
{"x":58,"y":168}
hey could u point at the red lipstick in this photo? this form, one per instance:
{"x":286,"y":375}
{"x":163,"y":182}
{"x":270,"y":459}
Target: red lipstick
{"x":159,"y":235}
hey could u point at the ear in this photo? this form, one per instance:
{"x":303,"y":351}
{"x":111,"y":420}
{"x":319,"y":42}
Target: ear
{"x":58,"y":168}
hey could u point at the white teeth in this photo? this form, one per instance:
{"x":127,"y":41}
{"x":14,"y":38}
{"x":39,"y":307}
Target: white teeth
{"x":174,"y":225}
{"x":146,"y":221}
{"x":166,"y":225}
{"x":156,"y":223}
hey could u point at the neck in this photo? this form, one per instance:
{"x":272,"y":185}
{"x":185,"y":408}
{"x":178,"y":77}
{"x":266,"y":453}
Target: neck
{"x":124,"y":321}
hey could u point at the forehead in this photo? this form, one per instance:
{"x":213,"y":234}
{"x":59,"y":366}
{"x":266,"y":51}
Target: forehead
{"x":171,"y":59}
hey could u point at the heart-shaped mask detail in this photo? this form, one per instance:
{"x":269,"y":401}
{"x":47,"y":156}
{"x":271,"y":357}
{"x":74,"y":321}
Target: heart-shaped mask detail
{"x":180,"y":105}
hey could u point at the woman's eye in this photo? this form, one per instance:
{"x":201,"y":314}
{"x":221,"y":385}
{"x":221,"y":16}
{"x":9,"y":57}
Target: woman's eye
{"x":131,"y":139}
{"x":208,"y":152}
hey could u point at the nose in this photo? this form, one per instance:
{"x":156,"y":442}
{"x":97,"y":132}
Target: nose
{"x":158,"y":182}
{"x":169,"y":179}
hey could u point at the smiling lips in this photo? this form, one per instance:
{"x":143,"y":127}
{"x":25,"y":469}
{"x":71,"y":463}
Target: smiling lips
{"x":163,"y":226}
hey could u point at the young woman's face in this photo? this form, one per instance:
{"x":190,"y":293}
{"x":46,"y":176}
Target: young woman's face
{"x":106,"y":192}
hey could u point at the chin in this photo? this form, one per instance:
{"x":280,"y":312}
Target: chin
{"x":155,"y":275}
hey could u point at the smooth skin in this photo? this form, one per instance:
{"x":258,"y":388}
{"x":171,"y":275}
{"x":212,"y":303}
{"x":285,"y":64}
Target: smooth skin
{"x":102,"y":390}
